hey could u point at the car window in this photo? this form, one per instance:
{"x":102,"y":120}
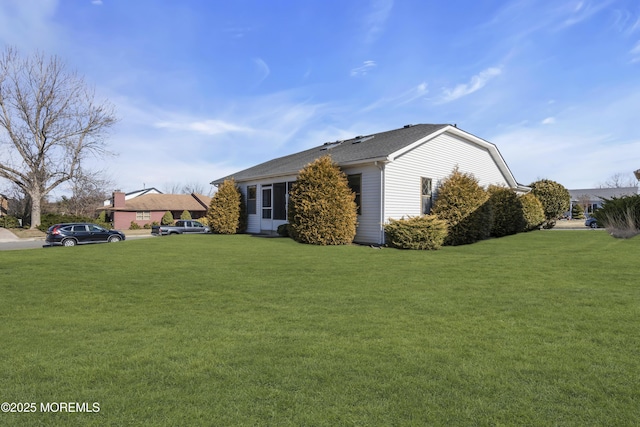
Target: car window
{"x":77,"y":228}
{"x":96,"y":229}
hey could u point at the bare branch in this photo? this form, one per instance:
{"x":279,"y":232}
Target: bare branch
{"x":51,"y":122}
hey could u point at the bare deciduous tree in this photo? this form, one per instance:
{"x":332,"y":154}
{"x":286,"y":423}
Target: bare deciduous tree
{"x":188,"y":188}
{"x":620,"y":180}
{"x":50,"y":122}
{"x":89,"y":190}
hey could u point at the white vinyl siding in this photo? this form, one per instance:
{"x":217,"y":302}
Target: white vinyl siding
{"x":435,"y":159}
{"x":369,"y":221}
{"x":255,"y":223}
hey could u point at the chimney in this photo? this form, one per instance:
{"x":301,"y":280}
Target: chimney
{"x":118,"y":199}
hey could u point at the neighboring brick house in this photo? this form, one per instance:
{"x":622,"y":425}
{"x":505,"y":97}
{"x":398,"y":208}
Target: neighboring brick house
{"x":150,"y":207}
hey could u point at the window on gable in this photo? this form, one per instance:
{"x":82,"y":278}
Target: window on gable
{"x":355,"y":183}
{"x":427,"y":195}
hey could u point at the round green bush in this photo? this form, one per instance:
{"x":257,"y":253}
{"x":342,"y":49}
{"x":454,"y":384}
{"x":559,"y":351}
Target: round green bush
{"x":465,"y":205}
{"x":554,"y":197}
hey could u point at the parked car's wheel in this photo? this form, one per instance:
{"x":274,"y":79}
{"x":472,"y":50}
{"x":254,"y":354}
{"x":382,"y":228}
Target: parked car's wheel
{"x":594,"y":224}
{"x":69,"y":242}
{"x":114,"y":239}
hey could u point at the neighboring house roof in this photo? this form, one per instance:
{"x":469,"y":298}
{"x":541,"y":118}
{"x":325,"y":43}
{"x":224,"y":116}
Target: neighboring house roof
{"x":166,"y":202}
{"x":602,"y":193}
{"x":383,"y":147}
{"x":137,"y":193}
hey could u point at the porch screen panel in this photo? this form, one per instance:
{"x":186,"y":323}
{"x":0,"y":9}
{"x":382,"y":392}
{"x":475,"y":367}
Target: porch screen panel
{"x":266,"y":203}
{"x":280,"y":200}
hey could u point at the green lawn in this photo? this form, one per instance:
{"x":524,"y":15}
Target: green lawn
{"x":536,"y":329}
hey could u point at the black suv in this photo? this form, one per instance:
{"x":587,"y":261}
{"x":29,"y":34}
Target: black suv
{"x":80,"y":233}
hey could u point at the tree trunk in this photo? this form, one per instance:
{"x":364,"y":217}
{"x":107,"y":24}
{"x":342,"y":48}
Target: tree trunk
{"x":36,"y":201}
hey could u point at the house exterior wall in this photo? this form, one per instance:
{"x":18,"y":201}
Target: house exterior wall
{"x":434,"y":159}
{"x":122,"y":219}
{"x":255,"y":223}
{"x":369,"y":228}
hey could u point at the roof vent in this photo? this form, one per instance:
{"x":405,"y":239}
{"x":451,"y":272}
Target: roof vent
{"x":361,"y":138}
{"x":330,"y":145}
{"x":407,"y":126}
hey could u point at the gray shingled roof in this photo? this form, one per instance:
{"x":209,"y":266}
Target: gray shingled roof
{"x":603,"y":193}
{"x":360,"y":148}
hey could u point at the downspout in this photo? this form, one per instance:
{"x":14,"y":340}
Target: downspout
{"x":380,"y":166}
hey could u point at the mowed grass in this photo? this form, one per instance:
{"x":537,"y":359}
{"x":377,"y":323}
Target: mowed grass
{"x":535,"y":329}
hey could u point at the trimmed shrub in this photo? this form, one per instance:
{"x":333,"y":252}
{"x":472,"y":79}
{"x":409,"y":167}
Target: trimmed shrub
{"x":507,"y":211}
{"x":49,"y":219}
{"x":555,"y":200}
{"x":577,"y":212}
{"x":134,"y":226}
{"x":9,"y":221}
{"x":185,"y":215}
{"x":283,"y":230}
{"x":322,"y":208}
{"x":620,"y":216}
{"x":466,"y":208}
{"x":426,"y":232}
{"x":167,"y":218}
{"x":532,"y":212}
{"x":226,"y":214}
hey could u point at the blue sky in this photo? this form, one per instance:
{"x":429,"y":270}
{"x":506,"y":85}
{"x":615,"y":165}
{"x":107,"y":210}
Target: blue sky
{"x":204,"y":88}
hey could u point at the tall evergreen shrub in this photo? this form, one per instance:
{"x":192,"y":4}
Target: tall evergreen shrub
{"x":167,"y":218}
{"x":185,"y":215}
{"x":464,"y":204}
{"x":226,"y":211}
{"x":322,"y":208}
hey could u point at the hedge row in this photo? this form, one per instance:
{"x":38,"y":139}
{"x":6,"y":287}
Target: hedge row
{"x":470,"y":213}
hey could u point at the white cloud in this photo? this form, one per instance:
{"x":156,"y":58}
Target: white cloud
{"x":635,"y":52}
{"x":263,"y":69}
{"x":375,"y":20}
{"x":403,"y":98}
{"x":207,"y":127}
{"x":96,"y":2}
{"x":549,"y":121}
{"x":364,"y":69}
{"x":583,"y":11}
{"x":28,"y":27}
{"x":476,"y":83}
